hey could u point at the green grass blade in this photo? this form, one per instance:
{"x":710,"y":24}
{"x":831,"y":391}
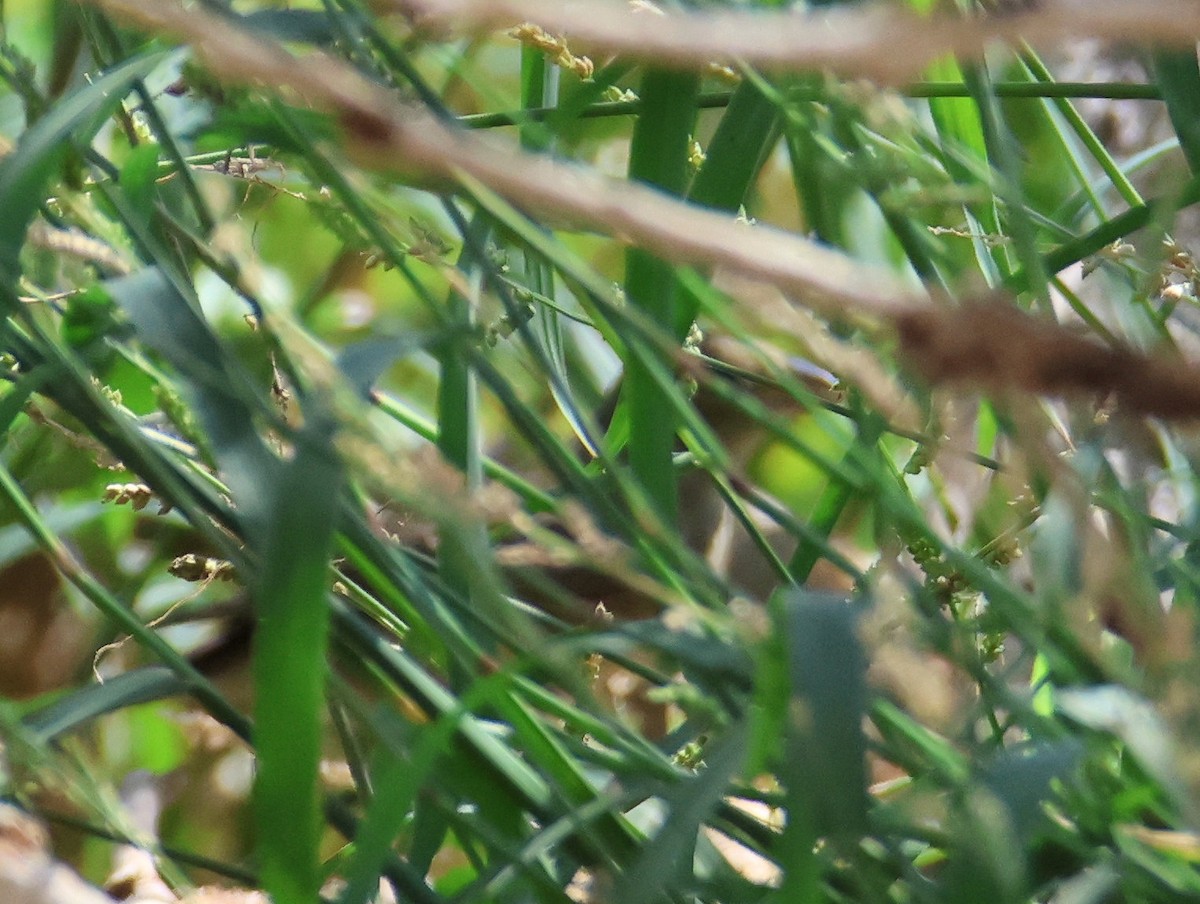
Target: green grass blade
{"x":1178,"y":77}
{"x":736,"y":152}
{"x":833,"y":501}
{"x":76,"y":117}
{"x":289,"y":665}
{"x":1086,"y":136}
{"x":225,"y":398}
{"x":458,"y":437}
{"x":396,"y":785}
{"x":658,"y":156}
{"x":664,"y":864}
{"x":80,"y":707}
{"x":1112,"y":229}
{"x":120,"y":615}
{"x":826,"y":770}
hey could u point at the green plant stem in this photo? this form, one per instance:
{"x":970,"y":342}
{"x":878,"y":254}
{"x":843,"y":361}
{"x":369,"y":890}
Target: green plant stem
{"x":1109,"y":231}
{"x":717,"y":99}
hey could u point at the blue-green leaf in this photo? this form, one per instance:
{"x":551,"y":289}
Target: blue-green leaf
{"x":1178,"y":76}
{"x":365,"y":362}
{"x":223,"y":395}
{"x":1021,"y":778}
{"x":79,"y":707}
{"x":664,"y":865}
{"x":306,"y":26}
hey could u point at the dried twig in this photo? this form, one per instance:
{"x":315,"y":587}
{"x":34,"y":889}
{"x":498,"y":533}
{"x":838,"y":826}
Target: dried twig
{"x":881,"y":41}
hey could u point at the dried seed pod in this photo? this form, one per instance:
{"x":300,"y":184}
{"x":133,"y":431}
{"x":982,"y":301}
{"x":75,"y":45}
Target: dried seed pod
{"x":192,"y":567}
{"x":136,"y":495}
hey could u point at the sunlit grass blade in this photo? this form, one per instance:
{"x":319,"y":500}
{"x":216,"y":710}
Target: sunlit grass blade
{"x":836,"y":496}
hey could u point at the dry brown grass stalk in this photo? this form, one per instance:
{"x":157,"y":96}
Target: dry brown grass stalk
{"x":385,"y":135}
{"x":991,"y":345}
{"x":996,"y":347}
{"x":879,"y":41}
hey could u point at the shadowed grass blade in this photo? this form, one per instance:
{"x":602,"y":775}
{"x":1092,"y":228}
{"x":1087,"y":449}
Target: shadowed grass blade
{"x":289,"y":665}
{"x":76,"y":117}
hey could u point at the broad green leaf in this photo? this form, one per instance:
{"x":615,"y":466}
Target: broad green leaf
{"x":363,"y":363}
{"x":736,"y":152}
{"x":1178,"y":76}
{"x":1022,"y":778}
{"x":224,"y":396}
{"x":137,"y":180}
{"x":1120,"y":712}
{"x":88,"y":316}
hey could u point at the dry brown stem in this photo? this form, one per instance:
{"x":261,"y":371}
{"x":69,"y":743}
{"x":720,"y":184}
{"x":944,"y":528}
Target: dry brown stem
{"x":990,"y":345}
{"x":996,"y":347}
{"x":883,"y":42}
{"x":387,"y":136}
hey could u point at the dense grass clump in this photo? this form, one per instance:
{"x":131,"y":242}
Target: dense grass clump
{"x":541,"y":451}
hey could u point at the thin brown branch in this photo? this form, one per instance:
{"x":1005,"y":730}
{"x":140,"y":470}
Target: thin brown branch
{"x":882,"y":41}
{"x":385,"y":135}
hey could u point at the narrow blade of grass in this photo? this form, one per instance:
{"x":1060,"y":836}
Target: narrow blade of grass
{"x":736,"y":152}
{"x":78,"y":708}
{"x":76,"y":117}
{"x":659,"y":157}
{"x":1178,"y":77}
{"x":289,"y":666}
{"x":664,"y":864}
